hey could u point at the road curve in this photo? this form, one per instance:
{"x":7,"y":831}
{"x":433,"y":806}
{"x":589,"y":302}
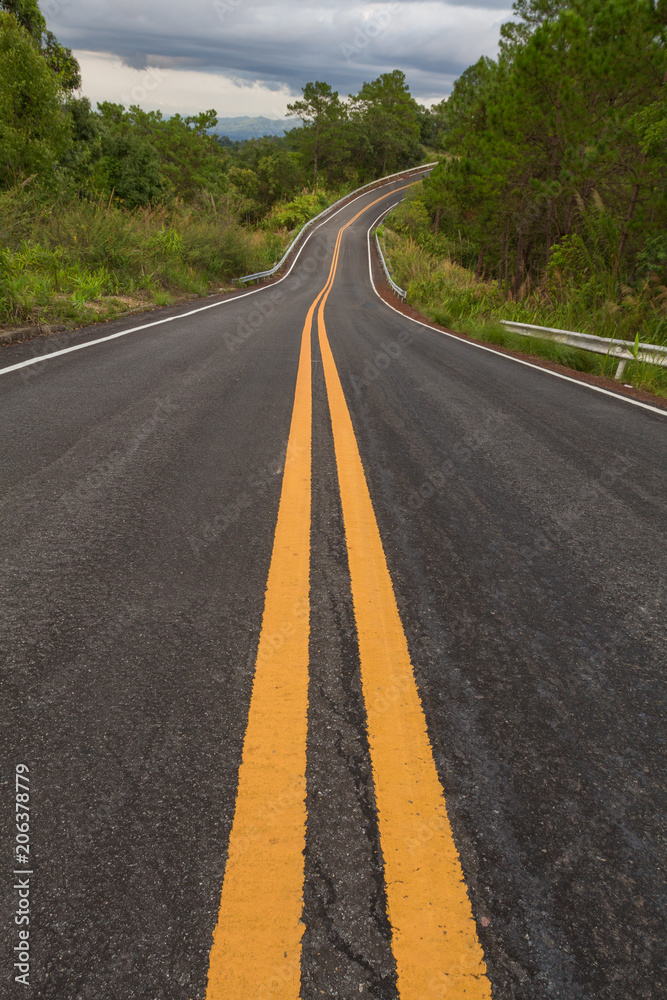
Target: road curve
{"x":333,"y":647}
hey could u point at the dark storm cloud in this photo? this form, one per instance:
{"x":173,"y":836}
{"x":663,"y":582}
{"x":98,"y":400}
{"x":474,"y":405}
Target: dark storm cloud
{"x":280,"y":44}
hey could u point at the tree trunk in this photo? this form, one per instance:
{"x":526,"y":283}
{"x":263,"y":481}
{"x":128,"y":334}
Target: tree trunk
{"x":519,"y":265}
{"x":626,"y":225}
{"x":437,"y":220}
{"x":480,"y":264}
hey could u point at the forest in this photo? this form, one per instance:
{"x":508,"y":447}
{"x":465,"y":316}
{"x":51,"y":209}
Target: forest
{"x":110,"y":208}
{"x":549,"y":204}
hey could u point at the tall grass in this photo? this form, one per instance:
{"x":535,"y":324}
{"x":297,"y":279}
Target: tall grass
{"x":452,"y":296}
{"x":79,"y":261}
{"x":75,"y":262}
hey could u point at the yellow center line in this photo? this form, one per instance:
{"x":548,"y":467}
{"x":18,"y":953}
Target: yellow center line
{"x":256,"y":951}
{"x":434,"y":937}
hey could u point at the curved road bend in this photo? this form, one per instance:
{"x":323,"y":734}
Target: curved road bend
{"x":445,"y":572}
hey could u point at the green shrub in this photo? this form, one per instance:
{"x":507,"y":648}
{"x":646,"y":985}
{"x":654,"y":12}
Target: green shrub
{"x":451,"y":295}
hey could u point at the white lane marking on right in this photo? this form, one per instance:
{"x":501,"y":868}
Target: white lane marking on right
{"x":500,"y":354}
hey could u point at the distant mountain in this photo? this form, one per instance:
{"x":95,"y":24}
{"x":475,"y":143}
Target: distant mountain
{"x":254,"y":128}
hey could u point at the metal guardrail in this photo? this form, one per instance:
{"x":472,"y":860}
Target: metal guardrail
{"x":402,"y":294}
{"x":624,"y":350}
{"x":267,"y":274}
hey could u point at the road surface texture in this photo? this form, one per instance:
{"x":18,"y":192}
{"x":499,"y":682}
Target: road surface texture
{"x":332,"y":655}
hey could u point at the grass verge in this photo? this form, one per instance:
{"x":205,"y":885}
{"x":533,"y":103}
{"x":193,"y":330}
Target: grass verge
{"x":451,"y":296}
{"x":80,"y":262}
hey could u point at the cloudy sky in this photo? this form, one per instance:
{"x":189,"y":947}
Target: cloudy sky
{"x":243,"y":57}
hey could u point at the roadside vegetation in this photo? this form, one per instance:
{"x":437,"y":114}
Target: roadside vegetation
{"x":550,"y":203}
{"x":548,"y":206}
{"x":452,"y":296}
{"x":113,"y":209}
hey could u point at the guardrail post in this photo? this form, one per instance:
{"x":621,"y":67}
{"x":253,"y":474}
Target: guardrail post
{"x":618,"y":350}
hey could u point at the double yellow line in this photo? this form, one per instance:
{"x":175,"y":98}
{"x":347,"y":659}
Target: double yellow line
{"x":256,"y":953}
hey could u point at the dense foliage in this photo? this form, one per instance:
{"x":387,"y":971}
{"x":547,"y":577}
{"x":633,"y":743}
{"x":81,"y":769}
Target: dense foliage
{"x":135,"y":158}
{"x":377,"y":130}
{"x":551,"y":189}
{"x":554,"y":178}
{"x":113,"y":208}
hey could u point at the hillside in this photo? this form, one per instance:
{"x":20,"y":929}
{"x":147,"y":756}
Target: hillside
{"x":244,"y":127}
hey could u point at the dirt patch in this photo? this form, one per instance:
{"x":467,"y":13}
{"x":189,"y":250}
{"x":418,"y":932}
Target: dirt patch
{"x":18,"y":334}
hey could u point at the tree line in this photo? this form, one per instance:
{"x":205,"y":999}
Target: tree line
{"x":553,"y":154}
{"x":113,"y":208}
{"x":51,"y":137}
{"x":556,"y":151}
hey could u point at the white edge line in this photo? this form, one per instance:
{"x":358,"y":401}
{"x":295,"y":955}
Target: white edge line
{"x":193,"y":312}
{"x":364,"y":189}
{"x":501,"y":354}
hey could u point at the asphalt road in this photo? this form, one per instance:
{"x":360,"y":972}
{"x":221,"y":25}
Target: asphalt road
{"x":522,"y":518}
